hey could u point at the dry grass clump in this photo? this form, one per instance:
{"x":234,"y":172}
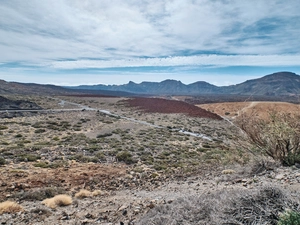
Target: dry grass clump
{"x":85,"y":193}
{"x":97,"y":193}
{"x":10,"y":207}
{"x":228,"y":171}
{"x":58,"y":200}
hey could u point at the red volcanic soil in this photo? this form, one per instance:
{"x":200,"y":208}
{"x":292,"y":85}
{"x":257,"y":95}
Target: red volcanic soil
{"x":158,"y":105}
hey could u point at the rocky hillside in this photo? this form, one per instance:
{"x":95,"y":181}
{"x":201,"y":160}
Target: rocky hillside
{"x":6,"y":104}
{"x":9,"y":88}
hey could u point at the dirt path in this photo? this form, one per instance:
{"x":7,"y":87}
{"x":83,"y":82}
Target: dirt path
{"x":245,"y":109}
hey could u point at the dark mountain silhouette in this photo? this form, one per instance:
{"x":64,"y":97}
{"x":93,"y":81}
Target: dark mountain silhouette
{"x":282,"y":83}
{"x":7,"y":88}
{"x":276,"y":84}
{"x":158,"y":88}
{"x":22,"y":88}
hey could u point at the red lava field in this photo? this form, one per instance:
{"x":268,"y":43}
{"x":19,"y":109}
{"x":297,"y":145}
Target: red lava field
{"x":158,"y":105}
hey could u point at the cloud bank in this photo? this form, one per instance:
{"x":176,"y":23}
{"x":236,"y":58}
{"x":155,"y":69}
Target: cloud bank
{"x":76,"y":34}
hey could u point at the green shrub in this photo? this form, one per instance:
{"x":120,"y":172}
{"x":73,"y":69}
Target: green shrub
{"x":2,"y":127}
{"x":2,"y":161}
{"x":100,"y":156}
{"x":42,"y":164}
{"x":289,"y":218}
{"x":38,"y":131}
{"x":18,"y":136}
{"x":104,"y":135}
{"x":28,"y":157}
{"x":125,"y":156}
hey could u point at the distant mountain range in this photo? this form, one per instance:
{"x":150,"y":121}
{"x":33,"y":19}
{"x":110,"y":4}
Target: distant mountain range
{"x":276,"y":84}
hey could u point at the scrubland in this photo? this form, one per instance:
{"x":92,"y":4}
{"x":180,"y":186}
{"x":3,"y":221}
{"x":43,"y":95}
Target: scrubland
{"x":111,"y":169}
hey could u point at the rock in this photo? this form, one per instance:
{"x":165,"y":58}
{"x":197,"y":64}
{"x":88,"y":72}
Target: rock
{"x":122,"y":208}
{"x":124,"y":213}
{"x":280,"y":176}
{"x":297,"y":165}
{"x":151,"y":205}
{"x":170,"y":201}
{"x":89,"y":216}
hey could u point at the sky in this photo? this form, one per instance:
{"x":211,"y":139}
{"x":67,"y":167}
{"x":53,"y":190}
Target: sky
{"x":73,"y":42}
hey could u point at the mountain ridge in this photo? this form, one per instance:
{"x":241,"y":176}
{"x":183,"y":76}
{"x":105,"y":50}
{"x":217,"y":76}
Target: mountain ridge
{"x":276,"y":84}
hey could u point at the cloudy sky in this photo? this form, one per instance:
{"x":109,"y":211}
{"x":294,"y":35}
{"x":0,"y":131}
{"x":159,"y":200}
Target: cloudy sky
{"x":71,"y":42}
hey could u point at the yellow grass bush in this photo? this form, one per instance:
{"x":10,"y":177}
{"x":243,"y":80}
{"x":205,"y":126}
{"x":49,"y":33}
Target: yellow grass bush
{"x":58,"y":200}
{"x":97,"y":193}
{"x":10,"y":207}
{"x":85,"y":193}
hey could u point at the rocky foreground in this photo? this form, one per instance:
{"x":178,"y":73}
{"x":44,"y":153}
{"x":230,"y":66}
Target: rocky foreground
{"x":127,"y":196}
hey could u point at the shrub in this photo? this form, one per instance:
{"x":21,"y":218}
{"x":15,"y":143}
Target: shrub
{"x":28,"y":157}
{"x":97,"y":193}
{"x":125,"y":156}
{"x":83,"y":194}
{"x":278,"y":136}
{"x":42,"y":164}
{"x":262,"y":206}
{"x":289,"y":218}
{"x":2,"y":161}
{"x":58,"y":200}
{"x":104,"y":135}
{"x":10,"y":207}
{"x":100,"y":156}
{"x":39,"y":193}
{"x":2,"y":127}
{"x":38,"y":131}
